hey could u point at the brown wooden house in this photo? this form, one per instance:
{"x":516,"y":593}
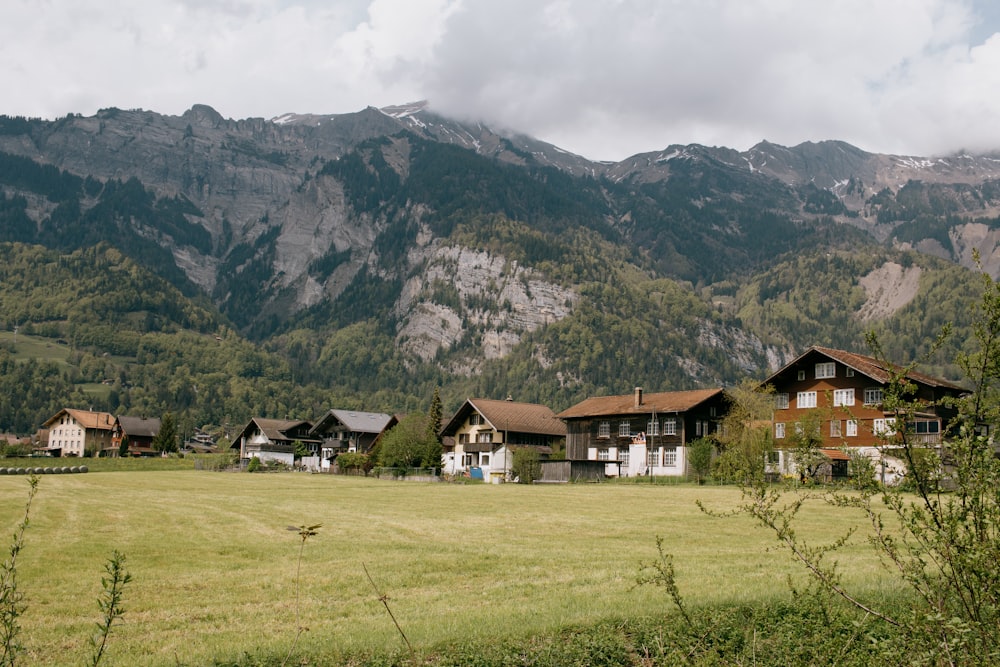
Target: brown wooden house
{"x":642,"y":434}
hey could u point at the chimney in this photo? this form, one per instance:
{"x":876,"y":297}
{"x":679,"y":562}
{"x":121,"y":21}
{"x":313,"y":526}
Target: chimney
{"x":638,"y":397}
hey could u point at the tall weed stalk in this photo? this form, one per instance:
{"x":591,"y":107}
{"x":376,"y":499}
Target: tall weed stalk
{"x":11,"y":597}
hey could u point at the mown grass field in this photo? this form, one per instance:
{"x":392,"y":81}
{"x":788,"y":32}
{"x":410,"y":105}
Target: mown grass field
{"x":214,"y":564}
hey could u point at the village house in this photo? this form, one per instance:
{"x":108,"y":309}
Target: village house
{"x":78,"y":432}
{"x":349,"y":431}
{"x":642,"y":434}
{"x":275,"y":440}
{"x":137,"y":433}
{"x":482,"y":436}
{"x":841,"y":394}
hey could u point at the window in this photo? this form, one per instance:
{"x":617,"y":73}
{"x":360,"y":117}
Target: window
{"x":653,"y":427}
{"x":463,"y":438}
{"x":779,"y":430}
{"x":623,"y":456}
{"x":485,"y":436}
{"x":848,"y":372}
{"x":484,"y":459}
{"x":604,"y":430}
{"x":467,"y":460}
{"x":603,"y":454}
{"x":653,"y":456}
{"x":873,"y":396}
{"x":699,"y":428}
{"x":624,"y":429}
{"x":842,"y":397}
{"x":884,"y":427}
{"x":475,"y":419}
{"x":781,"y":401}
{"x":826,"y":370}
{"x":805,"y":399}
{"x":834,"y":428}
{"x":801,"y":375}
{"x":852,"y":428}
{"x":670,"y":456}
{"x":926,"y":427}
{"x":669,"y":427}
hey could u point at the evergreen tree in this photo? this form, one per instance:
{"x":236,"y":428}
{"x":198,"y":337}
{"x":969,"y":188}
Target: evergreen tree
{"x":166,"y":439}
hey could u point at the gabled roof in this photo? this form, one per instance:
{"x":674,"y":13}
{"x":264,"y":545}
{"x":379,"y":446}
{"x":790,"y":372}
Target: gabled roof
{"x":85,"y":418}
{"x":625,"y":404}
{"x":275,"y":429}
{"x":867,"y":366}
{"x":354,"y":421}
{"x":139,"y":427}
{"x":509,"y":416}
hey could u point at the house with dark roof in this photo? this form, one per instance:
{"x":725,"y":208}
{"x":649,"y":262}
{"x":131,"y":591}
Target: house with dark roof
{"x":76,"y":432}
{"x":137,"y":433}
{"x":349,"y":431}
{"x":842,"y":392}
{"x":481,"y":437}
{"x":274,"y":440}
{"x":642,"y":434}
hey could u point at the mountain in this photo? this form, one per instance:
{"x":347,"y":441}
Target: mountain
{"x":381,"y":253}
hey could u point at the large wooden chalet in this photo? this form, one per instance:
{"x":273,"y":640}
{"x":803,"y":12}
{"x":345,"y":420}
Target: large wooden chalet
{"x":842,"y":392}
{"x":642,"y":434}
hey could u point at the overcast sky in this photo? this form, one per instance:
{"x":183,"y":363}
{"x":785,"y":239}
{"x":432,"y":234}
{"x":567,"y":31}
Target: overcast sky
{"x":602,"y":78}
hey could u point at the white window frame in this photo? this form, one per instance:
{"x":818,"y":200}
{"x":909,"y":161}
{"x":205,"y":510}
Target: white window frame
{"x":874,"y":395}
{"x":625,"y":429}
{"x":835,"y":428}
{"x":653,"y":427}
{"x":623,"y":456}
{"x":779,"y":430}
{"x":604,"y":429}
{"x":781,"y":401}
{"x":843,"y":397}
{"x":884,"y":427}
{"x":603,"y":454}
{"x":805,"y":399}
{"x":670,"y":457}
{"x":852,"y":428}
{"x":670,"y":426}
{"x":484,"y":437}
{"x":653,"y":457}
{"x":825,"y":370}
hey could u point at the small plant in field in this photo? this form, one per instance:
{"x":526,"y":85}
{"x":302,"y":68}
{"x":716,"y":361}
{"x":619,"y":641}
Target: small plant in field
{"x":661,"y":573}
{"x":110,"y":603}
{"x":305,"y":532}
{"x":11,"y":598}
{"x":384,"y":599}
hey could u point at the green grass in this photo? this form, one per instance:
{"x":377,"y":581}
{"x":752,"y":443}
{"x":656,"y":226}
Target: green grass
{"x":36,"y":347}
{"x":214,"y":564}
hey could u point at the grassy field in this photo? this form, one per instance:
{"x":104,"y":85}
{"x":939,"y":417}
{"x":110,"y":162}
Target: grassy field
{"x":214,"y":564}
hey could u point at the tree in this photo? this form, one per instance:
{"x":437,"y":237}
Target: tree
{"x":166,"y":438}
{"x":700,"y":458}
{"x":434,"y":416}
{"x":406,"y":445}
{"x":526,"y":467}
{"x":745,"y":438}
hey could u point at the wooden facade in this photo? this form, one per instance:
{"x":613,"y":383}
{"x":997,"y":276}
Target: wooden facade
{"x":642,"y":434}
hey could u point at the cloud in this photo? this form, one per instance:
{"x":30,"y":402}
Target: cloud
{"x":604,"y":78}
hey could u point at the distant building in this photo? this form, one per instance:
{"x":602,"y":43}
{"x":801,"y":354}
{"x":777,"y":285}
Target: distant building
{"x":349,"y":431}
{"x":642,"y":434}
{"x":484,"y":433}
{"x":137,"y":433}
{"x":75,"y":432}
{"x":842,"y":393}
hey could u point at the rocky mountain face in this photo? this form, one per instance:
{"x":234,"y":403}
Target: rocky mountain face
{"x":465,"y":239}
